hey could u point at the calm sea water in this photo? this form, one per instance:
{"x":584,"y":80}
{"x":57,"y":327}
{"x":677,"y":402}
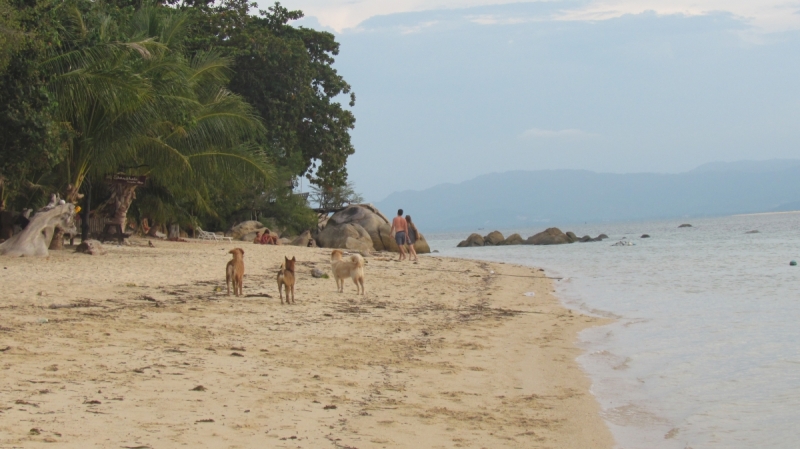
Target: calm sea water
{"x":704,"y":351}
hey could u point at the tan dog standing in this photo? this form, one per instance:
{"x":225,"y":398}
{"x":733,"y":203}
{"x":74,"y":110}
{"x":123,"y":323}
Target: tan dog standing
{"x":343,"y":269}
{"x":235,"y":271}
{"x":286,"y":278}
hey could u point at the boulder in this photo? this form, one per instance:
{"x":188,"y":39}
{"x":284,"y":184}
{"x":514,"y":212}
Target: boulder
{"x":550,"y":236}
{"x":752,"y":232}
{"x":685,"y":225}
{"x":472,"y":240}
{"x":645,"y":236}
{"x":245,"y":228}
{"x":493,"y":238}
{"x":345,"y":236}
{"x":513,"y":239}
{"x":249,"y":237}
{"x":585,"y":239}
{"x":602,"y":236}
{"x":377,"y":226}
{"x":572,"y":237}
{"x":302,"y":239}
{"x":284,"y":241}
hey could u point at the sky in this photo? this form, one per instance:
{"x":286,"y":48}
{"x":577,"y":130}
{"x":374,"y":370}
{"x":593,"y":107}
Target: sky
{"x":447,"y":90}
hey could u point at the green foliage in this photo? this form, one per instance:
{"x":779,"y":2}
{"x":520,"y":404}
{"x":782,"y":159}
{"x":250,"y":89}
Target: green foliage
{"x":218,"y":108}
{"x":291,"y":213}
{"x":329,"y":198}
{"x":287,"y":74}
{"x":32,"y":140}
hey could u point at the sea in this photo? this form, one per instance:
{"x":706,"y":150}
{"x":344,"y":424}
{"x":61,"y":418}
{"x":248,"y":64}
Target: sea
{"x":704,"y":347}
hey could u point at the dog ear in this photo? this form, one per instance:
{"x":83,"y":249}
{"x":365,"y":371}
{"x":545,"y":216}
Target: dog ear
{"x":294,"y":258}
{"x":241,"y":251}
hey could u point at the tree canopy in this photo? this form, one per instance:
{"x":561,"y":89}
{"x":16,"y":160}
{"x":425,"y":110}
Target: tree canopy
{"x":221,"y":109}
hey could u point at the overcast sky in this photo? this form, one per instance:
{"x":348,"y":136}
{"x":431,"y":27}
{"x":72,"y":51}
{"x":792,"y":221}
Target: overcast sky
{"x":450,"y":89}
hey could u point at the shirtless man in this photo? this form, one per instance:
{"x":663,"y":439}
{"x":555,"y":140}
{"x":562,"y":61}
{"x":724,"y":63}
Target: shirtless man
{"x":400,"y":230}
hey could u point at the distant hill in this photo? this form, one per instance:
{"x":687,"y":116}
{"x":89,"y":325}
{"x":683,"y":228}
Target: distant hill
{"x":555,"y":197}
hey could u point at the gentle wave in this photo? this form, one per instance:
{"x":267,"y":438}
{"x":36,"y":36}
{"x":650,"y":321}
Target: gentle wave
{"x":705,"y":349}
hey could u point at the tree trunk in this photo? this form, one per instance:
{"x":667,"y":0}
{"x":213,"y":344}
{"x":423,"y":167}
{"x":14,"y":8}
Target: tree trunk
{"x":116,"y":208}
{"x":57,"y":243}
{"x":153,"y":230}
{"x":174,"y":232}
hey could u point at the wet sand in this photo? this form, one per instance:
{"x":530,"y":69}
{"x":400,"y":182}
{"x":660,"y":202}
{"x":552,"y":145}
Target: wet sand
{"x":142,"y":348}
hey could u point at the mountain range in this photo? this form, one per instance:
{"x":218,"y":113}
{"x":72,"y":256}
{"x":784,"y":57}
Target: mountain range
{"x":555,"y":197}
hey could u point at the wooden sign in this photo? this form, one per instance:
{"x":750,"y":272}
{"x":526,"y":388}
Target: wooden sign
{"x":126,"y":179}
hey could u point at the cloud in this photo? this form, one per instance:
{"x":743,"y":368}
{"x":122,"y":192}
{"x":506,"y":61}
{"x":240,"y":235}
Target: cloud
{"x":763,"y":15}
{"x":418,"y":27}
{"x":571,"y":133}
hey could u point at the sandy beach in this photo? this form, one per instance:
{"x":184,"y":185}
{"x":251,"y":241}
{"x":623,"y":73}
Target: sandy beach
{"x":142,"y":348}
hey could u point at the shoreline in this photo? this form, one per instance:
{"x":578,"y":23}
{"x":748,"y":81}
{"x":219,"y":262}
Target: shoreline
{"x":444,"y":353}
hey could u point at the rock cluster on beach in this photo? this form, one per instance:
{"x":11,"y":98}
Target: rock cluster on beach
{"x":550,"y":236}
{"x":358,"y":227}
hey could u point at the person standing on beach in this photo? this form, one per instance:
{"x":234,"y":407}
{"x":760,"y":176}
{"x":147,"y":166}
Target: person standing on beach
{"x":400,"y":233}
{"x":413,"y":235}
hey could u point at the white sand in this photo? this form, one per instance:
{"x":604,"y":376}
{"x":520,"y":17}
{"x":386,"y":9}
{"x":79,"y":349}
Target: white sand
{"x":436,"y":355}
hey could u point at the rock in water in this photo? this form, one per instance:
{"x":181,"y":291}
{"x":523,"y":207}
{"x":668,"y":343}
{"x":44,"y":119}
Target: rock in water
{"x":645,"y":236}
{"x":472,"y":240}
{"x":550,"y":236}
{"x":793,"y":263}
{"x":752,"y":232}
{"x":493,"y":238}
{"x":92,"y":247}
{"x":513,"y":239}
{"x":685,"y":225}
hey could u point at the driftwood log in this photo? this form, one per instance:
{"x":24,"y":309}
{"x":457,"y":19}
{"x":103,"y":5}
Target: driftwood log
{"x":35,"y":238}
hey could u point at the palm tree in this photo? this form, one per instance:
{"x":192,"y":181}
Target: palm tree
{"x":134,"y":103}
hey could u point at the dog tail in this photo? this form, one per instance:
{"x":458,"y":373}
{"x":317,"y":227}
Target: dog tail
{"x":358,"y":260}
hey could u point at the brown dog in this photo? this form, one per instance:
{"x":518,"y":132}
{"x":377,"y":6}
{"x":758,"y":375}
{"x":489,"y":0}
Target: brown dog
{"x":343,"y":269}
{"x":235,"y":271}
{"x":286,"y":278}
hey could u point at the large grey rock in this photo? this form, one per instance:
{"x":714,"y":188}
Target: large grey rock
{"x":345,"y":236}
{"x":377,"y":226}
{"x":244,"y":229}
{"x":493,"y":238}
{"x":302,"y":239}
{"x":550,"y":236}
{"x":472,"y":240}
{"x":513,"y":239}
{"x":572,"y":237}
